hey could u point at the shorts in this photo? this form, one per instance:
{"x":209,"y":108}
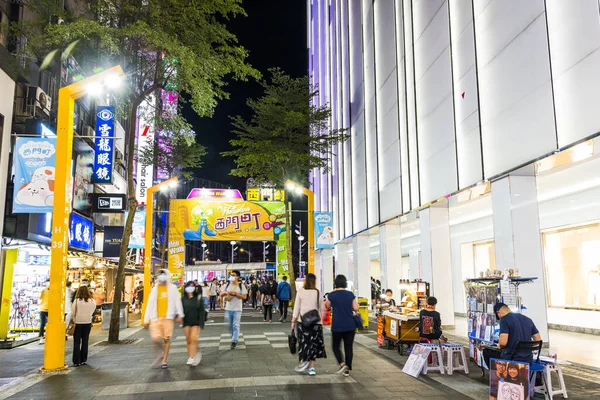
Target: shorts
{"x":162,"y":328}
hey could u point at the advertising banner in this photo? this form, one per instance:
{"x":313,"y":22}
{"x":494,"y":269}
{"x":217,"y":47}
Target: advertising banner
{"x":216,"y":194}
{"x":324,"y":230}
{"x":112,"y":241}
{"x":108,"y":202}
{"x":105,"y":137}
{"x":83,"y":157}
{"x":81,"y":232}
{"x":144,"y":172}
{"x":196,"y":219}
{"x":34,"y":161}
{"x":136,"y":240}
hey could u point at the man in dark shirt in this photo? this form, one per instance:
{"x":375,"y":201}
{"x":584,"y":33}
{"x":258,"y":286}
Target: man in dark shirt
{"x":514,"y":328}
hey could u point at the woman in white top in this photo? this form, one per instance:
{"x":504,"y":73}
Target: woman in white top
{"x":310,"y":338}
{"x":81,"y":314}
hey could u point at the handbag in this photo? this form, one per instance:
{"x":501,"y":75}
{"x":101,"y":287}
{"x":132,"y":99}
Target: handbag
{"x":268,"y":301}
{"x":310,"y":318}
{"x":71,"y":327}
{"x":292,"y":342}
{"x":358,"y":321}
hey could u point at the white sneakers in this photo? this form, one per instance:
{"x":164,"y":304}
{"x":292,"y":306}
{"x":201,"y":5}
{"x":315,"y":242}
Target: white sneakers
{"x":302,"y":367}
{"x":194,"y":361}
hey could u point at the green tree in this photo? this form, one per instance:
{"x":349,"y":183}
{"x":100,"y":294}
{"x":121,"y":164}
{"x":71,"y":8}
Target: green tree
{"x":180,"y":45}
{"x":287,"y":137}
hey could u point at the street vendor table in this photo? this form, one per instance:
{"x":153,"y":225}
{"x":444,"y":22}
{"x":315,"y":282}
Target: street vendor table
{"x":401,"y":329}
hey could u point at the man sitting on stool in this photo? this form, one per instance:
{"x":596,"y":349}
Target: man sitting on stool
{"x":514,"y":328}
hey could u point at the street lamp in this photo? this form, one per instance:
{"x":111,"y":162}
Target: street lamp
{"x":233,"y":249}
{"x":265,"y":248}
{"x":54,"y":351}
{"x":299,"y":189}
{"x":148,"y":234}
{"x":203,"y":250}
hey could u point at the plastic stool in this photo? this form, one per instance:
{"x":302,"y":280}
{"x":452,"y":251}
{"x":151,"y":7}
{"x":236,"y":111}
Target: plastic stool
{"x":437,"y":362}
{"x":455,"y":349}
{"x":536,"y":368}
{"x":562,"y":389}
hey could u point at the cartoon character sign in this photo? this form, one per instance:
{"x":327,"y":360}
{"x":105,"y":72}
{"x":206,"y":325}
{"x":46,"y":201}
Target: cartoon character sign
{"x":200,"y":218}
{"x":34,"y":162}
{"x":324,"y":230}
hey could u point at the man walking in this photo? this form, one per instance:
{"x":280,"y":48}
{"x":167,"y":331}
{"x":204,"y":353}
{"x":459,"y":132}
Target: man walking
{"x":164,"y":306}
{"x":44,"y":301}
{"x":213,"y":295}
{"x":284,"y":295}
{"x":234,"y":294}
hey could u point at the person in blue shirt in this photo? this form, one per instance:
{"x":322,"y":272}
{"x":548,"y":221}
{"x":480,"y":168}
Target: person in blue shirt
{"x":284,"y":295}
{"x":343,"y":326}
{"x":514,"y":328}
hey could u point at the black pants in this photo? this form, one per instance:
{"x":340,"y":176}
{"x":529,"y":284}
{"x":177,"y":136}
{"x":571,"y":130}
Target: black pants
{"x":268,"y":309}
{"x":81,"y":339}
{"x":348,"y":338}
{"x":43,"y":322}
{"x":213,"y":303}
{"x":283,"y":308}
{"x":254,"y":300}
{"x":489,"y":353}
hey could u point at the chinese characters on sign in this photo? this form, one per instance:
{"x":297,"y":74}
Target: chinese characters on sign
{"x":81,"y":232}
{"x":235,"y":220}
{"x":265,"y":194}
{"x":105,"y":134}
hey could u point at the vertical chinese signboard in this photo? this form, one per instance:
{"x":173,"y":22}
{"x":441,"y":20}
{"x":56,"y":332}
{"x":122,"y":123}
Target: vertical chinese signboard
{"x":105,"y":136}
{"x":81,"y":232}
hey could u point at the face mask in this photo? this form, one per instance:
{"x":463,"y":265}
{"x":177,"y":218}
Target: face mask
{"x":163,"y":278}
{"x":83,"y":285}
{"x":190,"y":289}
{"x":232,"y":278}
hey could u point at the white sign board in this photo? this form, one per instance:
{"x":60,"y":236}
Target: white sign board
{"x":145,"y":137}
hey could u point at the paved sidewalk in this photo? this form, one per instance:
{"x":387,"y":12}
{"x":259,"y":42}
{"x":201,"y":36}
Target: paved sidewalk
{"x":261,"y":367}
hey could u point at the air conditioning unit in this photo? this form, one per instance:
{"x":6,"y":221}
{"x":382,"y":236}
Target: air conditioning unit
{"x":88,"y":131}
{"x":40,"y":99}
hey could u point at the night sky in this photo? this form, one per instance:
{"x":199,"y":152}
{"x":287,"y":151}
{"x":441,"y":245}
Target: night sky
{"x":274,"y":32}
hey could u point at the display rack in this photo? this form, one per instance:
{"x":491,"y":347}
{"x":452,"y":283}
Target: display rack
{"x":482,"y":294}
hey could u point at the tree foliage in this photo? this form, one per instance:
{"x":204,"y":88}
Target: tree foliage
{"x":287,"y":136}
{"x":176,"y":45}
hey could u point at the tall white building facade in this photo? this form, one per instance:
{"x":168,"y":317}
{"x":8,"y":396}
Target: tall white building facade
{"x":473,"y":145}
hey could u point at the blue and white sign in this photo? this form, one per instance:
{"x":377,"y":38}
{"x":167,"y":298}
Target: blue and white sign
{"x":105,"y":137}
{"x":81,"y":232}
{"x":324,"y":230}
{"x":34,"y":161}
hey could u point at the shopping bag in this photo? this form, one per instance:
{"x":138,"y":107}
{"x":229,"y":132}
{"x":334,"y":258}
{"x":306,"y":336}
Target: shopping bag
{"x":292,"y":342}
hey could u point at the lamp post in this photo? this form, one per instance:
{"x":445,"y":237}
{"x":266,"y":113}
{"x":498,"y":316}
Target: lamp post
{"x":54,"y":351}
{"x":299,"y":189}
{"x":148,"y":235}
{"x":203,"y":250}
{"x":233,"y":248}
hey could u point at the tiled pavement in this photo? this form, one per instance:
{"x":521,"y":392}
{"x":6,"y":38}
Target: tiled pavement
{"x":261,"y":367}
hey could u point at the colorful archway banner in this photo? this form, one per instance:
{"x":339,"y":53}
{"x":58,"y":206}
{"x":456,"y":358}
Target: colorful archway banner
{"x":196,"y":219}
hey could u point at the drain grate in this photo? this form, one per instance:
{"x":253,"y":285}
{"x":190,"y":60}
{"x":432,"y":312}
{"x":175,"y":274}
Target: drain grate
{"x":124,"y":341}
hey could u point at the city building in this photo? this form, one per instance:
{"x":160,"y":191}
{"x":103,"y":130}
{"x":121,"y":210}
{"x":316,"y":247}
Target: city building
{"x":473,"y":146}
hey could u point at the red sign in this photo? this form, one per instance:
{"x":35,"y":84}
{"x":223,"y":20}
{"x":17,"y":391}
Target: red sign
{"x":380,"y":328}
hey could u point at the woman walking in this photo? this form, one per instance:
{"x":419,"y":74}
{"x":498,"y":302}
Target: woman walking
{"x":343,"y":325}
{"x":193,"y":320}
{"x":267,"y":299}
{"x":81,"y":315}
{"x":308,"y":309}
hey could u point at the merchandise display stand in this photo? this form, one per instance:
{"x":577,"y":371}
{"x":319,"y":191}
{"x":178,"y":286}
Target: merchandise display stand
{"x":482,"y":294}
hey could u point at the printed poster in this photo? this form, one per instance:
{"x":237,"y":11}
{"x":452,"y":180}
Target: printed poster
{"x":324,"y":230}
{"x":34,"y":162}
{"x":137,"y":238}
{"x":416,"y":361}
{"x":509,"y":380}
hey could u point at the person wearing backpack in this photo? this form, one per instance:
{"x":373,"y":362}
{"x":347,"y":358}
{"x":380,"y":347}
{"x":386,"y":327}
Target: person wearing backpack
{"x":234,"y":294}
{"x":194,"y":309}
{"x":308,"y":309}
{"x":267,"y":300}
{"x":284,"y":295}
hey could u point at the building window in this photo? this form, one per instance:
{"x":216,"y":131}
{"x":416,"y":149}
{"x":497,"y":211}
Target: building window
{"x":572,"y":257}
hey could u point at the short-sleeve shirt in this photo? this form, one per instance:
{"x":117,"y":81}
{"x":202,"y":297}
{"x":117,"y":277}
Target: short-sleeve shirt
{"x":236,"y":303}
{"x":519,"y":329}
{"x":343,"y":317}
{"x":430,"y":324}
{"x":45,"y":300}
{"x":162,"y":301}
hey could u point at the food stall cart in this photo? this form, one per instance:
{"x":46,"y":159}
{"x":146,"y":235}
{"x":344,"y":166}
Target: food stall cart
{"x":399,"y":325}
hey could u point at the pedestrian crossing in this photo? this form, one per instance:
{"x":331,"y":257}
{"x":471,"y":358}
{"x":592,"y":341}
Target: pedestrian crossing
{"x":275,"y":340}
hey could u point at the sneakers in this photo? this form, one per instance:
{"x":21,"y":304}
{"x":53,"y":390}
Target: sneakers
{"x":302,"y":367}
{"x":190,"y":361}
{"x":281,"y":319}
{"x":346,"y":373}
{"x":233,"y":345}
{"x":42,"y":341}
{"x":196,"y":360}
{"x":312,"y":372}
{"x":344,"y":368}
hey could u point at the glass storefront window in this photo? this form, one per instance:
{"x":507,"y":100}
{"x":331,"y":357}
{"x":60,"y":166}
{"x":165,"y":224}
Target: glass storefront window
{"x":572,"y":257}
{"x":484,"y":257}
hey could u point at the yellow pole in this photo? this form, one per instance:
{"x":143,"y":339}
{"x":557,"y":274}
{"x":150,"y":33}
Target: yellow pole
{"x":5,"y":308}
{"x":54,"y":351}
{"x":311,"y":230}
{"x":148,"y":237}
